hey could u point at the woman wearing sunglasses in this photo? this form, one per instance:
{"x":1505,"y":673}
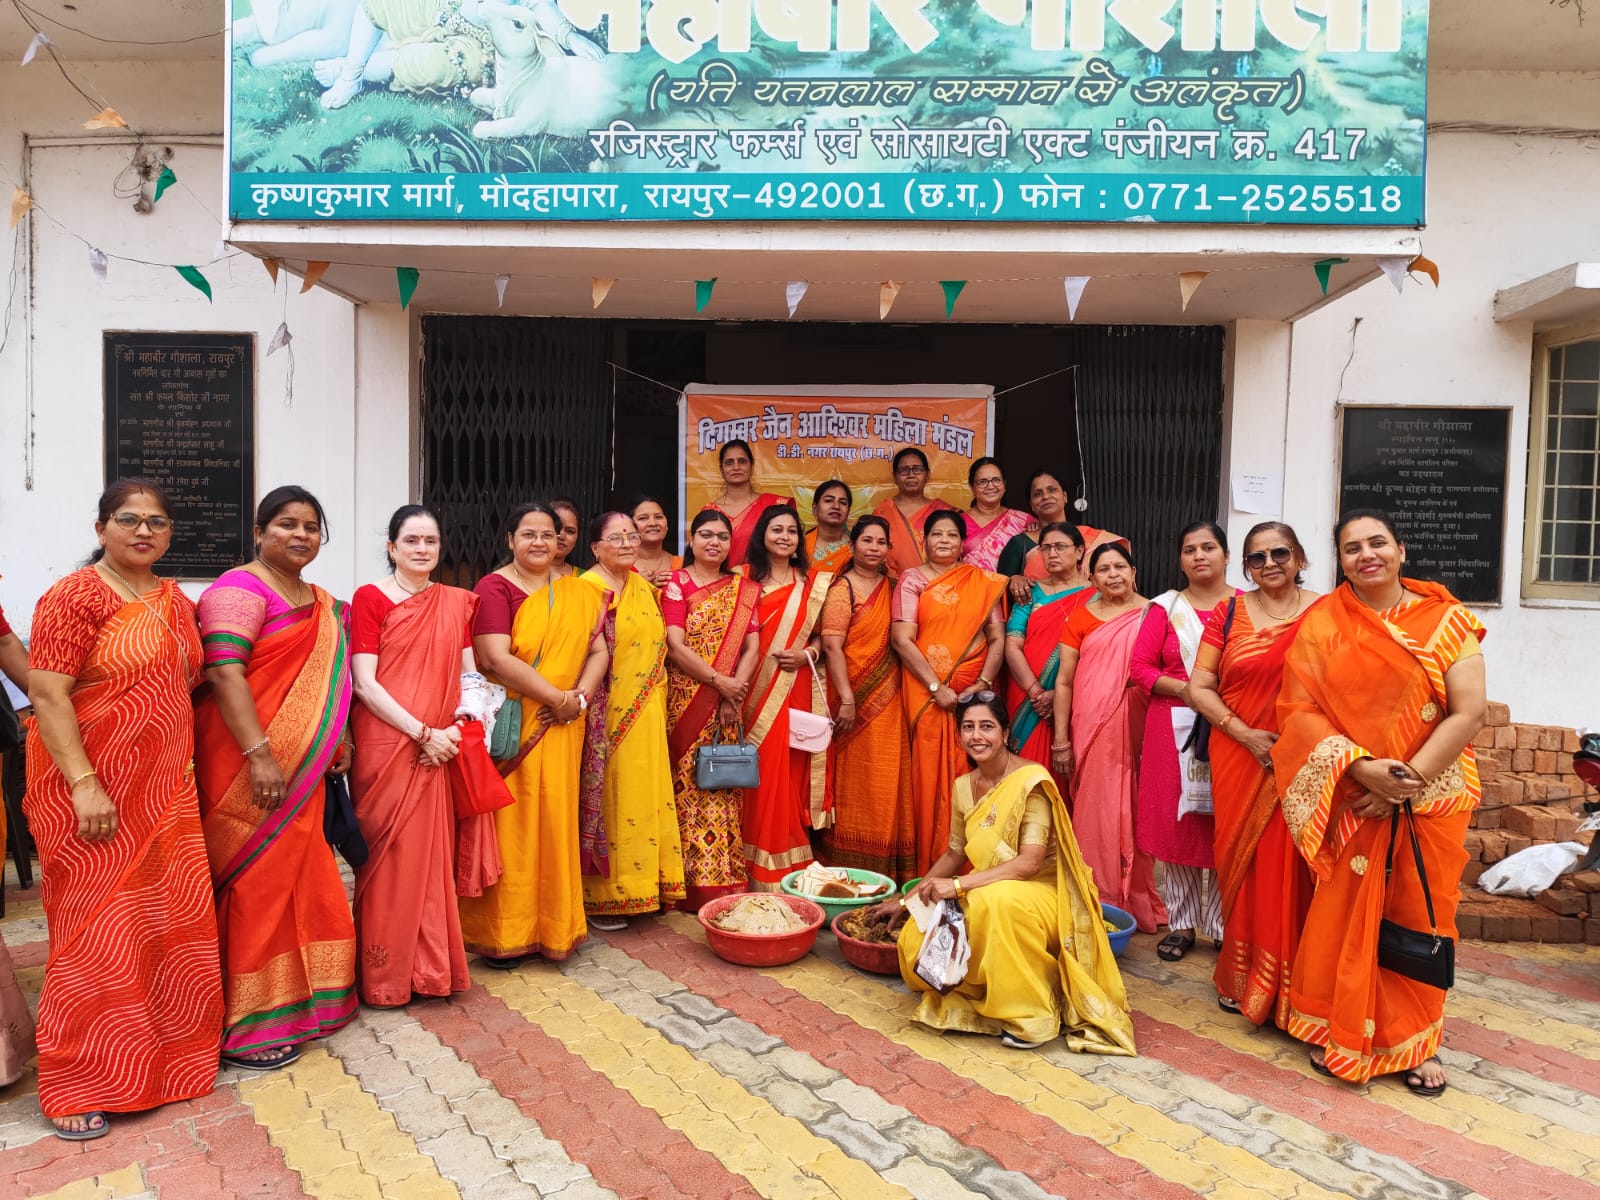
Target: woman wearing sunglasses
{"x":1263,"y":886}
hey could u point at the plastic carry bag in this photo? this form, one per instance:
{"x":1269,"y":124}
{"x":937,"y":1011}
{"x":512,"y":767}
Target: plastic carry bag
{"x":1531,"y":871}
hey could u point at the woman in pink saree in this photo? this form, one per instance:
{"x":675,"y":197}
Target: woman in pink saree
{"x":990,"y":524}
{"x":1099,"y":724}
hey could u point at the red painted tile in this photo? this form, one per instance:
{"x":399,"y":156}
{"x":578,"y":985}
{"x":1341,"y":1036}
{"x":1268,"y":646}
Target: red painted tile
{"x":1578,"y":983}
{"x":1547,"y":1062}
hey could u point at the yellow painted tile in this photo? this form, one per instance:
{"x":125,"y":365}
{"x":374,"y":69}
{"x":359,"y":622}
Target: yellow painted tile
{"x":125,"y":1182}
{"x":79,"y":1189}
{"x":1164,"y":1161}
{"x":347,"y":1183}
{"x":1506,"y":1018}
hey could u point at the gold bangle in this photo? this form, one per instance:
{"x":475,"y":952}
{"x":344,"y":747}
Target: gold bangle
{"x":89,"y":774}
{"x":1226,"y":721}
{"x":961,"y":892}
{"x":263,"y":742}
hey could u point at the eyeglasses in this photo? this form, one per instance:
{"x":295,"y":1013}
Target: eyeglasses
{"x":1055,"y":547}
{"x":132,"y":521}
{"x":622,"y":539}
{"x":538,"y":536}
{"x":911,"y":470}
{"x":984,"y":697}
{"x":995,"y":482}
{"x":1257,"y":559}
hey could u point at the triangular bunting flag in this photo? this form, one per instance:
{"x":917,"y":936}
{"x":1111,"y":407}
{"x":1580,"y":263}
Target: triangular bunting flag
{"x":702,"y":293}
{"x":195,"y":279}
{"x":1074,"y":285}
{"x":281,"y":338}
{"x":272,"y":265}
{"x":793,"y":293}
{"x":1324,"y":267}
{"x":98,"y":264}
{"x":600,"y":288}
{"x":38,"y":43}
{"x":1394,"y":270}
{"x":21,"y":202}
{"x":106,"y":118}
{"x":220,"y":250}
{"x":952,"y":292}
{"x":163,"y":181}
{"x":406,"y":278}
{"x":1427,"y":267}
{"x":314,"y":272}
{"x":1188,"y":283}
{"x":500,"y":282}
{"x":888,"y":290}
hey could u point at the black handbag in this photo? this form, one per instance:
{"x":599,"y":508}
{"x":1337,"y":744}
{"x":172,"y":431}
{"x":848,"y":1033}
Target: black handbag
{"x":1199,"y":739}
{"x":1428,"y":958}
{"x":339,"y":826}
{"x":11,"y":737}
{"x":726,"y":765}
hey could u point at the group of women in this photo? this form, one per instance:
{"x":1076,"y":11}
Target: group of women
{"x":1022,"y":743}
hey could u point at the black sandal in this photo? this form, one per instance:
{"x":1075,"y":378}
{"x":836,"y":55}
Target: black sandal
{"x":1320,"y":1066}
{"x":1174,"y":946}
{"x":1229,"y":1005}
{"x":1419,"y":1088}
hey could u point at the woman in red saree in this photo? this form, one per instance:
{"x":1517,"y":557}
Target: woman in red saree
{"x":1262,"y":885}
{"x":131,"y":1011}
{"x":410,"y":642}
{"x":1383,"y":691}
{"x":990,"y":524}
{"x":740,"y":502}
{"x":1033,"y":642}
{"x":949,"y":631}
{"x":828,"y":545}
{"x":1098,"y":719}
{"x":267,"y":733}
{"x":793,"y":792}
{"x":908,"y":510}
{"x":712,"y":637}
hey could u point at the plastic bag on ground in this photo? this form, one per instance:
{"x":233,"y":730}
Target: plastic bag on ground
{"x":1531,"y":871}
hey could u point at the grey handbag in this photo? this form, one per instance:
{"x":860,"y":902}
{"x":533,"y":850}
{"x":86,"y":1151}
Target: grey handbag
{"x":726,"y":765}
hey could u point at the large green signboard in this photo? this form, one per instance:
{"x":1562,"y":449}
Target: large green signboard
{"x":1217,"y":111}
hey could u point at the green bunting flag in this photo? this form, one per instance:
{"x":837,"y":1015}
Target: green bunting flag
{"x":407,"y":278}
{"x":163,"y":181}
{"x":702,"y":293}
{"x":195,"y":280}
{"x":952,"y":290}
{"x":1323,"y":266}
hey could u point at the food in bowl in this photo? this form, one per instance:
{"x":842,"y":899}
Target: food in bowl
{"x":865,"y":925}
{"x":759,"y":914}
{"x":835,"y":883}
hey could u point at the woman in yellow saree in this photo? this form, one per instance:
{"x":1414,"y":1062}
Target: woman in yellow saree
{"x":1041,"y":962}
{"x":552,"y":659}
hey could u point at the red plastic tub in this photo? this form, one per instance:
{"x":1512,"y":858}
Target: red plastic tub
{"x":761,"y":950}
{"x":878,"y":958}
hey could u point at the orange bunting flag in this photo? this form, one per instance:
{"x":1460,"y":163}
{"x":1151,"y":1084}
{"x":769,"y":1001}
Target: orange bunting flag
{"x":21,"y":202}
{"x":1188,"y":283}
{"x":272,"y":265}
{"x":599,"y":289}
{"x":1426,"y":266}
{"x":314,"y":272}
{"x":106,"y":118}
{"x":888,"y":291}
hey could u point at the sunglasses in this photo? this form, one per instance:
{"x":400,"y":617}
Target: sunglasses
{"x":985,"y":697}
{"x":1258,"y":558}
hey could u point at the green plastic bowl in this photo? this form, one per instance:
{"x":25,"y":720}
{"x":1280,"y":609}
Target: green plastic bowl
{"x":834,"y":907}
{"x":910,"y":886}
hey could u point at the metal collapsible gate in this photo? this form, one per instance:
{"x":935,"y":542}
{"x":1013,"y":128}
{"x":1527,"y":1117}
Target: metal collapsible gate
{"x":513,"y":409}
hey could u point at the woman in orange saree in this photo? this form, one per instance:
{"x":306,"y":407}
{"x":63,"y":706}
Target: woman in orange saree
{"x":1033,"y":642}
{"x":869,"y":820}
{"x":1383,"y":691}
{"x":131,"y":1011}
{"x":1262,"y":884}
{"x":266,"y":735}
{"x":1099,"y":717}
{"x":410,"y":642}
{"x":712,"y":637}
{"x":793,"y":792}
{"x":948,"y":629}
{"x":908,"y":510}
{"x":740,"y":502}
{"x":828,"y":545}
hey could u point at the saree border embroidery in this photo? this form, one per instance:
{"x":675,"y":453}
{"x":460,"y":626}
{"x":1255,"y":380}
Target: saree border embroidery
{"x":1307,"y":799}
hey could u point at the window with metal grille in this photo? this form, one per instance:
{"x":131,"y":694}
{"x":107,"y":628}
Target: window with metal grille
{"x":1564,"y":469}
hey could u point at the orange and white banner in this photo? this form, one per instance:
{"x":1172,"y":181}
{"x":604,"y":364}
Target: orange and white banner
{"x":802,"y":436}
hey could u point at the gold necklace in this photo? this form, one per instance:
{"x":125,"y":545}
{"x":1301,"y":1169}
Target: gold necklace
{"x":132,"y":591}
{"x":395,"y":575}
{"x":144,"y":599}
{"x":522,"y":580}
{"x":278,"y":575}
{"x":1261,"y":600}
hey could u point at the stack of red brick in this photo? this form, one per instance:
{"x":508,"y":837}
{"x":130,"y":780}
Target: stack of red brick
{"x":1530,"y":797}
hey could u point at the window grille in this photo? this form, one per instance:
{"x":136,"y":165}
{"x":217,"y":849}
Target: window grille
{"x":1565,"y":447}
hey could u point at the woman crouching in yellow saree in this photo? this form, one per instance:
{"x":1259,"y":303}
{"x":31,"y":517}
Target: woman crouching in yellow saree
{"x":1040,"y":961}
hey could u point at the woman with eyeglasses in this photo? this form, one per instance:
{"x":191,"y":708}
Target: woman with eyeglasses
{"x":869,"y":821}
{"x":908,"y":510}
{"x":130,"y":1016}
{"x":1033,"y":640}
{"x":652,"y":559}
{"x":1263,"y":886}
{"x":1041,"y":962}
{"x":990,"y":524}
{"x":1172,"y":815}
{"x":1383,"y":692}
{"x":632,"y":858}
{"x":713,"y":649}
{"x":1020,"y":560}
{"x":949,"y":631}
{"x":1097,"y":719}
{"x":828,"y":545}
{"x":792,"y":796}
{"x":266,"y":736}
{"x":410,"y":643}
{"x":740,"y":502}
{"x":538,"y":634}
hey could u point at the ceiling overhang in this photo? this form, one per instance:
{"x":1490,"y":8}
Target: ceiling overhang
{"x":1569,"y":295}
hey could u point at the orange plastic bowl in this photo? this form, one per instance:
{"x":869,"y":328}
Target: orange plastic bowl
{"x":879,"y":958}
{"x":758,"y":949}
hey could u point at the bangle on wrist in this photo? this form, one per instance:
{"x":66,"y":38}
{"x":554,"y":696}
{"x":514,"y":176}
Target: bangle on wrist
{"x":985,"y":682}
{"x":423,"y":734}
{"x":265,"y":741}
{"x":1226,"y":721}
{"x":1061,"y":745}
{"x":89,"y":774}
{"x":961,"y":892}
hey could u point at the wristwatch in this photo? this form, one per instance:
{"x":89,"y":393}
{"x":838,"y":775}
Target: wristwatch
{"x":933,"y":688}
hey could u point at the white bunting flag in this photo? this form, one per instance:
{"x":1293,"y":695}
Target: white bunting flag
{"x":98,"y":264}
{"x":39,"y":42}
{"x":1188,"y":282}
{"x":500,"y":282}
{"x":280,"y":339}
{"x":1395,"y":270}
{"x":793,"y":293}
{"x":1074,"y":285}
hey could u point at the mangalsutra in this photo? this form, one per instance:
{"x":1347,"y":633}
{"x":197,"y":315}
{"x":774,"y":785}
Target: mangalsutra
{"x":279,"y":576}
{"x":1261,"y":600}
{"x":395,"y":575}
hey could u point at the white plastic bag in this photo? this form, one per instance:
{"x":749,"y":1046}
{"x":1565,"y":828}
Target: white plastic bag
{"x":1531,"y":871}
{"x":942,"y":961}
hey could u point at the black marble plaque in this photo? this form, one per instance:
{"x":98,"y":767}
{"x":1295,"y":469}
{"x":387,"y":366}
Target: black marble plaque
{"x":1441,"y":473}
{"x":180,"y":410}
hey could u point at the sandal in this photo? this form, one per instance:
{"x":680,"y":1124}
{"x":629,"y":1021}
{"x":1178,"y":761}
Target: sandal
{"x":1320,"y":1066}
{"x":1012,"y":1042}
{"x":608,"y":924}
{"x":282,"y":1056}
{"x":503,"y":964}
{"x":1419,"y":1088}
{"x":1174,"y":946}
{"x":1228,"y":1005}
{"x":89,"y":1132}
